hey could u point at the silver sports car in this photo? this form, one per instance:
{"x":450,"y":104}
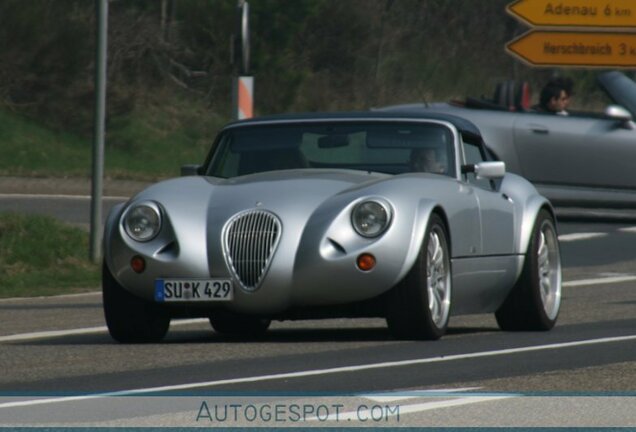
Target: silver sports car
{"x":584,"y":159}
{"x":335,"y":215}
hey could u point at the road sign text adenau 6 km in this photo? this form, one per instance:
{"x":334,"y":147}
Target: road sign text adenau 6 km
{"x":545,"y":47}
{"x":575,"y":13}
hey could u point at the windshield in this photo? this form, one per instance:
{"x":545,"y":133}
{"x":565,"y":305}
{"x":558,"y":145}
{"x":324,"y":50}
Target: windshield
{"x":391,"y":148}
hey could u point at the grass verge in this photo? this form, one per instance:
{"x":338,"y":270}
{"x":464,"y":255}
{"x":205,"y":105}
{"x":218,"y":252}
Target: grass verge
{"x":149,"y":143}
{"x":41,"y":256}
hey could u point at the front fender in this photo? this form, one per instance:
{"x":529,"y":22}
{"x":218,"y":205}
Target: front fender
{"x":532,"y":208}
{"x":423,"y":212}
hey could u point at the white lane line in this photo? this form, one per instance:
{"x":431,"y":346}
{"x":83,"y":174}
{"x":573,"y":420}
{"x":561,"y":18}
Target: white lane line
{"x":580,"y":236}
{"x":80,"y":331}
{"x":413,"y":394}
{"x":600,"y":281}
{"x":628,"y":229}
{"x":409,"y":409}
{"x":60,"y":196}
{"x":51,"y":334}
{"x":52,"y":297}
{"x":427,"y":406}
{"x":319,"y":372}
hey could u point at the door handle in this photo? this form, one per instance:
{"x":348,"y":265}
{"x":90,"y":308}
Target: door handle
{"x":539,"y":129}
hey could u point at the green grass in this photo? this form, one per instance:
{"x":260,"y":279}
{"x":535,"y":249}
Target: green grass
{"x":149,"y":143}
{"x":29,"y":149}
{"x":154,"y":140}
{"x":41,"y":256}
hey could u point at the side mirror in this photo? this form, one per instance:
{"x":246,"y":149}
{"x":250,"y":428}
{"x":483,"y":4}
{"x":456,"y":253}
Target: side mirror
{"x":190,"y":170}
{"x":620,"y":114}
{"x":486,"y":170}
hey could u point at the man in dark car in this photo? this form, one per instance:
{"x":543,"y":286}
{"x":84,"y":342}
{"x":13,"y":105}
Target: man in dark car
{"x":555,"y":97}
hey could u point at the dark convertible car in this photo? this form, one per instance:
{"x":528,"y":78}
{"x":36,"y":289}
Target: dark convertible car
{"x":581,"y":160}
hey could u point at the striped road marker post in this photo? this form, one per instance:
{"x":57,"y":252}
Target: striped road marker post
{"x":244,"y":97}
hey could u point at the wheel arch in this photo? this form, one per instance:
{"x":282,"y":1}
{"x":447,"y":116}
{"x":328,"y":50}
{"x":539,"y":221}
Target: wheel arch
{"x":420,"y":223}
{"x":532,"y":210}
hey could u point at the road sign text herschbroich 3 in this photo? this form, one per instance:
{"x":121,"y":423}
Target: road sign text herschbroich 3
{"x":575,"y":13}
{"x":600,"y":49}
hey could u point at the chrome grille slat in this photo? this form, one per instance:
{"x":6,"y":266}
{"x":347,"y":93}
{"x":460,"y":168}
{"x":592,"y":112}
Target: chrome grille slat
{"x":249,"y":242}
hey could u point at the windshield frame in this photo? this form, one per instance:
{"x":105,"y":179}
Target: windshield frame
{"x":214,"y":154}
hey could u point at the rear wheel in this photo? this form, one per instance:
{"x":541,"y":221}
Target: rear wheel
{"x":534,"y":302}
{"x":419,"y":306}
{"x":237,"y":325}
{"x":129,"y":318}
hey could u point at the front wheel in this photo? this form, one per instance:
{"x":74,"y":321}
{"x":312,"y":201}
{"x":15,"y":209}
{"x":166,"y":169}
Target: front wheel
{"x":419,"y":306}
{"x":535,"y":300}
{"x":129,"y":318}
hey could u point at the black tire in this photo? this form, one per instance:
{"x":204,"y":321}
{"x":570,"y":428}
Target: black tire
{"x":525,"y":308}
{"x":409,"y":315}
{"x":129,"y":318}
{"x":237,"y":325}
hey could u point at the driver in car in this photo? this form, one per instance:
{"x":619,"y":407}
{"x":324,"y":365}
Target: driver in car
{"x":429,"y":159}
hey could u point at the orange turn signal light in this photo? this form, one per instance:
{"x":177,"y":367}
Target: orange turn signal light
{"x":138,"y":264}
{"x":366,"y":262}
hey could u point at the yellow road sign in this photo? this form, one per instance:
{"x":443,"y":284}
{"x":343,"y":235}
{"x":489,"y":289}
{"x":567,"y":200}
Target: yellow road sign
{"x":596,"y":49}
{"x":575,"y":13}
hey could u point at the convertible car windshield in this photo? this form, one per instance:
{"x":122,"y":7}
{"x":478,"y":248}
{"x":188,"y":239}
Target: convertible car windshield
{"x":390,"y":147}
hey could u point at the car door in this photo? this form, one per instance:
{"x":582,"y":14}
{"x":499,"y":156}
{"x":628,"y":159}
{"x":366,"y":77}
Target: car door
{"x":575,"y":151}
{"x":479,"y":282}
{"x":496,"y":211}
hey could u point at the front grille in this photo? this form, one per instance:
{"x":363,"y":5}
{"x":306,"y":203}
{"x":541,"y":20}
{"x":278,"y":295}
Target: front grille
{"x":249,"y":242}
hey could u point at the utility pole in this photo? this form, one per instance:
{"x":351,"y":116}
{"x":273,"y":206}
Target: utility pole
{"x":101,"y":7}
{"x":243,"y":83}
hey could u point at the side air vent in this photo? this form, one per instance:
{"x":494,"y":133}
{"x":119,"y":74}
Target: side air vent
{"x":249,"y":242}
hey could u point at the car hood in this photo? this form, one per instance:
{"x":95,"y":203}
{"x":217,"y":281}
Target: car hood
{"x":620,"y":89}
{"x":282,"y":192}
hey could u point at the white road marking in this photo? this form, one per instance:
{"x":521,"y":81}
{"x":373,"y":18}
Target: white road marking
{"x":80,"y":331}
{"x":52,"y":297}
{"x":409,"y":409}
{"x":600,"y":281}
{"x":580,"y":236}
{"x":319,"y":372}
{"x":413,"y":394}
{"x":60,"y":196}
{"x":628,"y":229}
{"x":51,"y":334}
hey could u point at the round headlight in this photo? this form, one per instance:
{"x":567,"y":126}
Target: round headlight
{"x":371,"y":218}
{"x":142,"y":222}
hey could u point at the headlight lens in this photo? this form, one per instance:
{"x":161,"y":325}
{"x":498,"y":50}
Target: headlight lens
{"x":371,"y":218}
{"x":143,"y":222}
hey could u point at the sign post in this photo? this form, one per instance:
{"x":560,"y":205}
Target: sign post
{"x":243,"y":87}
{"x":100,"y":127}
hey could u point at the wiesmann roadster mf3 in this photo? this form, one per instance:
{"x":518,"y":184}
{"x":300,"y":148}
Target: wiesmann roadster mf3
{"x":335,"y":215}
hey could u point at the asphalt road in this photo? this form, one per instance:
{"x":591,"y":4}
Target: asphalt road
{"x":583,"y":373}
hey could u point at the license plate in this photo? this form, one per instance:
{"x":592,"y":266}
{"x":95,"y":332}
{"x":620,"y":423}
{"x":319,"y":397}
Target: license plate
{"x":193,"y":290}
